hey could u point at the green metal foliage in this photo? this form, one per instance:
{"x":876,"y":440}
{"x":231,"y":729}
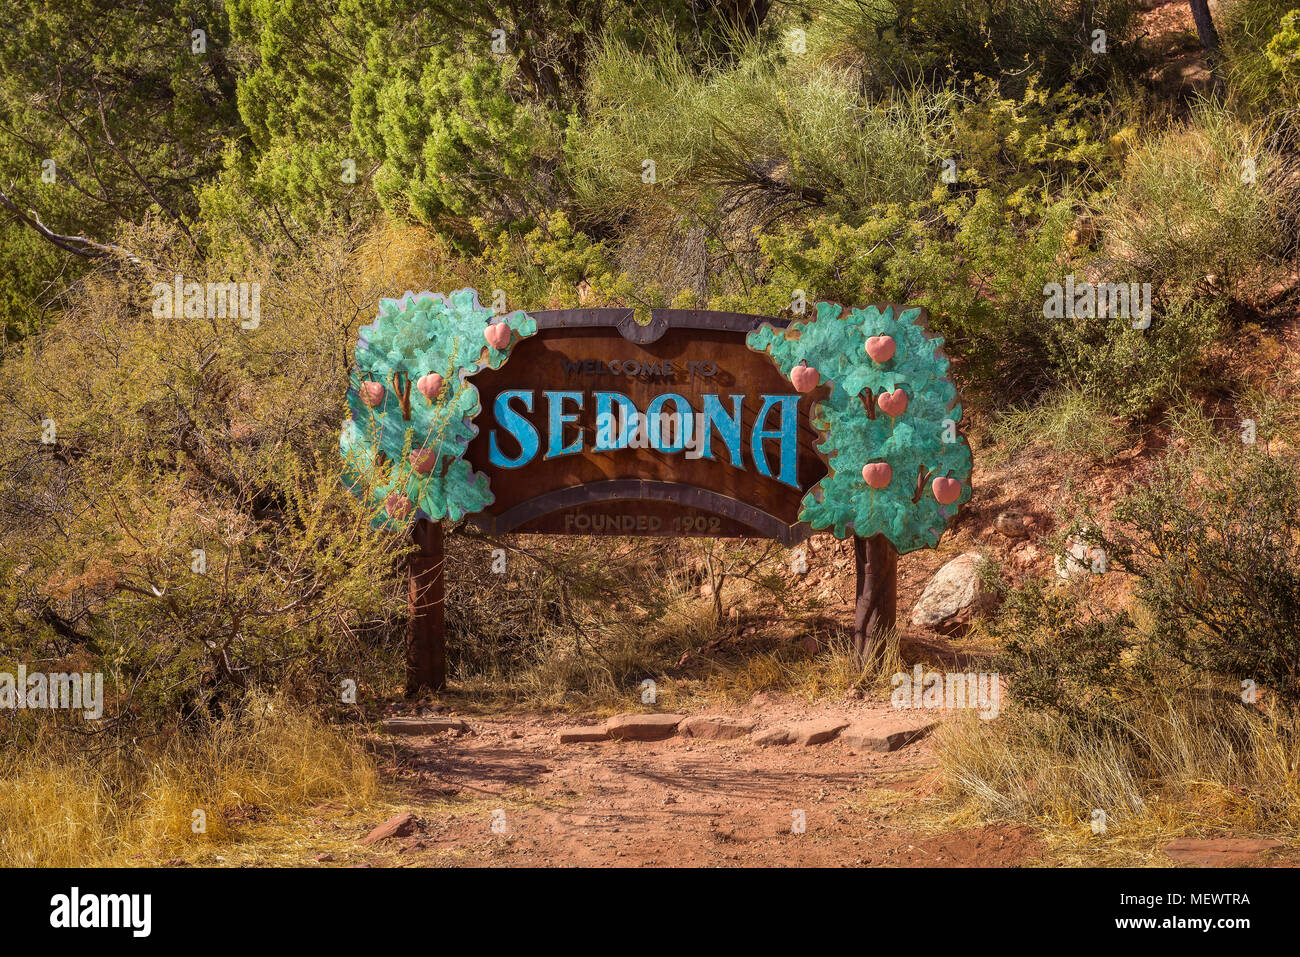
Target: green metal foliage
{"x":919,"y":445}
{"x":413,"y":337}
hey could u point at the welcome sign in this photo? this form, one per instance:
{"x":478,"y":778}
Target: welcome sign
{"x":600,"y":425}
{"x":584,"y":421}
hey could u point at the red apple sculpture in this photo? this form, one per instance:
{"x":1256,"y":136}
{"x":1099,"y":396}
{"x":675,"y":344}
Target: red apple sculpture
{"x":372,"y":393}
{"x":429,"y":385}
{"x":398,"y":505}
{"x":497,"y":336}
{"x":893,"y":404}
{"x":877,"y":474}
{"x":946,"y":490}
{"x":881,"y":348}
{"x":804,"y":378}
{"x":423,"y":460}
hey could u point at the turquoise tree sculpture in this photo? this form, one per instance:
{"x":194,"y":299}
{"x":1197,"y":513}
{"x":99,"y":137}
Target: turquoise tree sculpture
{"x":899,"y":469}
{"x":413,"y":405}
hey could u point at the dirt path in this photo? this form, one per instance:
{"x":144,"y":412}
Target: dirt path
{"x":681,"y":801}
{"x":1170,"y":33}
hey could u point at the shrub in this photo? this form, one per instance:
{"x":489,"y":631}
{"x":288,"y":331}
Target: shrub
{"x":1283,"y":50}
{"x":1258,"y":44}
{"x":736,"y":149}
{"x":902,"y":41}
{"x":1193,"y":212}
{"x":1213,"y":548}
{"x":1214,"y":543}
{"x":1133,"y":372}
{"x":171,"y":508}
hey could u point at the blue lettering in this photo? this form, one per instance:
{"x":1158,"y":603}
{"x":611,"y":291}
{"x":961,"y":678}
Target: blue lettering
{"x":787,"y":434}
{"x":557,"y":421}
{"x":609,"y":436}
{"x":728,"y":427}
{"x":519,"y":428}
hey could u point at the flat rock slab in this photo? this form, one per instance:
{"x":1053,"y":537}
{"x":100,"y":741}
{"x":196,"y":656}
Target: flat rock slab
{"x":887,"y":733}
{"x":1220,"y":851}
{"x":643,"y":727}
{"x":423,"y":725}
{"x":820,"y":731}
{"x":777,"y":734}
{"x":400,"y":825}
{"x":579,"y":735}
{"x":715,"y":726}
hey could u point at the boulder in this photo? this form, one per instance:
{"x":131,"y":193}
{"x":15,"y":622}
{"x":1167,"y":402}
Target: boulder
{"x":887,"y":733}
{"x":716,"y":727}
{"x":643,"y":727}
{"x":954,"y":596}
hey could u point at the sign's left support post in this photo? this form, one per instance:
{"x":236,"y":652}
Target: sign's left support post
{"x":426,"y":632}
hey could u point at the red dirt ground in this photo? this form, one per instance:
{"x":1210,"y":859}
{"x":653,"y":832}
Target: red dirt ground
{"x":679,"y":802}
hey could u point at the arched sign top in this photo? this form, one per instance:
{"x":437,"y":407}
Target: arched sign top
{"x":661,"y":320}
{"x":584,"y":421}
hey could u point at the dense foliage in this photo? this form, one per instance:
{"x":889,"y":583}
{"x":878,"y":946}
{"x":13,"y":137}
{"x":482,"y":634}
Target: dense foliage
{"x":736,"y":154}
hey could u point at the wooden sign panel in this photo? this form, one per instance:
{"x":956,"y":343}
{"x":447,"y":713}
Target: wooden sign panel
{"x":600,"y":425}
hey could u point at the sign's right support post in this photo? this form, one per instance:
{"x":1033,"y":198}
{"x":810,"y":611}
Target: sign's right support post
{"x":876,"y":561}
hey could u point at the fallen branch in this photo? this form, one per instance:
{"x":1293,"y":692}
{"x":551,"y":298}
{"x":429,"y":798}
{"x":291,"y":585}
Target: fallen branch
{"x":82,"y":246}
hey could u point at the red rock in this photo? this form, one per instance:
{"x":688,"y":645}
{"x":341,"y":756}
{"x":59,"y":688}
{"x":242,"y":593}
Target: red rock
{"x":399,"y":825}
{"x":643,"y":727}
{"x":423,"y":725}
{"x":1014,"y":523}
{"x":777,"y":734}
{"x":888,"y":733}
{"x":579,"y":735}
{"x":1218,"y":852}
{"x":715,"y":726}
{"x":818,"y":731}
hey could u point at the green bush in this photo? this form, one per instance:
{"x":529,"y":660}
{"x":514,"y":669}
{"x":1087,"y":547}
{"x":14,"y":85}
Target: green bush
{"x":1066,"y":655}
{"x":185,"y":531}
{"x":736,"y":150}
{"x":1212,"y":545}
{"x":1194,"y":211}
{"x":1259,"y":44}
{"x":903,"y":41}
{"x":1134,"y":371}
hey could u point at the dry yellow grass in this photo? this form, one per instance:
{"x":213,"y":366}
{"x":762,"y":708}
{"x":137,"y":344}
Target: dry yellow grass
{"x":1184,"y":767}
{"x":61,"y":807}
